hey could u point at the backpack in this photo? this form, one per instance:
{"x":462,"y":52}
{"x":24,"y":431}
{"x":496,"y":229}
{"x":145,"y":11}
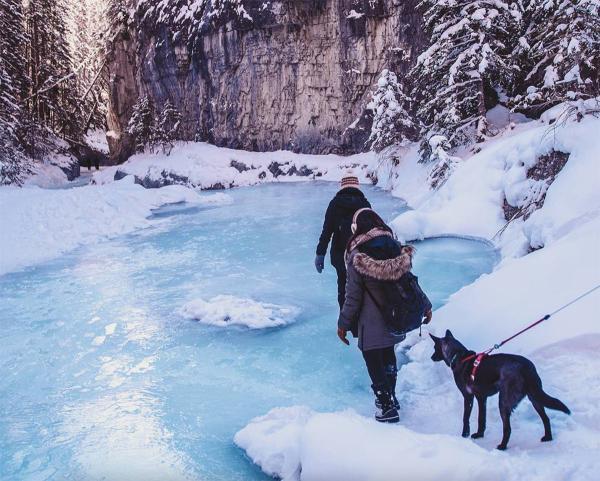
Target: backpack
{"x":405,"y":304}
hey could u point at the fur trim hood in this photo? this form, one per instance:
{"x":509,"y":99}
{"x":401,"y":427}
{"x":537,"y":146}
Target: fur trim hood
{"x":384,"y":270}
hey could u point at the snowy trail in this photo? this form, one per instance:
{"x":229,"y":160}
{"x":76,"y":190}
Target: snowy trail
{"x":105,"y":375}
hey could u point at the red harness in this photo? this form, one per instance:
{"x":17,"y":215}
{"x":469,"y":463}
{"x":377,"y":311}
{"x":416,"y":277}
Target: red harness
{"x":478,"y":358}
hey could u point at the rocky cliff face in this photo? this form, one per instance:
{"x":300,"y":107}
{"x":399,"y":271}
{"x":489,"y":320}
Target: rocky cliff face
{"x":261,"y":75}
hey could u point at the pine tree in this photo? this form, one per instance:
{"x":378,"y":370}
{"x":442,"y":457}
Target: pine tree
{"x":464,"y":60}
{"x":392,"y":122}
{"x":560,"y":52}
{"x":87,"y":35}
{"x":13,"y":83}
{"x":52,"y":100}
{"x":167,"y":127}
{"x":142,"y":125}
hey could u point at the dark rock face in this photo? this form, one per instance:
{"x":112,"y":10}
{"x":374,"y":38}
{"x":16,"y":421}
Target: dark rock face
{"x":293,"y":74}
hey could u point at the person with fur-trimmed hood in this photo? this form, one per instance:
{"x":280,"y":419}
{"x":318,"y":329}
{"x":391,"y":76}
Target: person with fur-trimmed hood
{"x":372,"y":256}
{"x":338,"y":219}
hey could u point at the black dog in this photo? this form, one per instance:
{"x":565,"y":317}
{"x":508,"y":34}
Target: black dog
{"x":513,"y":376}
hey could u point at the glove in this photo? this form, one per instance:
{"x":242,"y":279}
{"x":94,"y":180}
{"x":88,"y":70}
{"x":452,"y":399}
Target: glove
{"x":320,"y":263}
{"x":428,"y":315}
{"x":342,"y":335}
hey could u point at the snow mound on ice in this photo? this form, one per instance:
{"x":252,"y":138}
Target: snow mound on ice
{"x":40,"y":224}
{"x":225,"y":311}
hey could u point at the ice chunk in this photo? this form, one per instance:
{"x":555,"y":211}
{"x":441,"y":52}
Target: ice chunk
{"x":224,"y":311}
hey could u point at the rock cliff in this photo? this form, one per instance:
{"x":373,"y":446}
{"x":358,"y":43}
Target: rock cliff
{"x":260,"y":75}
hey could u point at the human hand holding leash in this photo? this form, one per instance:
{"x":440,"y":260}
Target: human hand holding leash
{"x":342,"y":335}
{"x":428,"y":316}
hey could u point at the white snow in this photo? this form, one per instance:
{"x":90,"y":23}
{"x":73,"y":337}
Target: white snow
{"x":297,"y":443}
{"x":97,"y":139}
{"x":206,"y":166}
{"x":225,"y":311}
{"x":470,"y":202}
{"x":40,"y":224}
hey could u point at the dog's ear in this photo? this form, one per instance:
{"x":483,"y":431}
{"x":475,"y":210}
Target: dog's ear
{"x":449,"y":334}
{"x":437,"y":349}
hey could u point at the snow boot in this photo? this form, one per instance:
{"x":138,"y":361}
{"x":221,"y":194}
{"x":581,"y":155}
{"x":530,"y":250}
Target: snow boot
{"x":388,"y":414}
{"x":392,"y":376}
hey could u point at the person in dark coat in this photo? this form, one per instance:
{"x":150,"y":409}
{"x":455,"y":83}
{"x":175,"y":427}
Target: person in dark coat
{"x":373,"y":256}
{"x":338,"y":219}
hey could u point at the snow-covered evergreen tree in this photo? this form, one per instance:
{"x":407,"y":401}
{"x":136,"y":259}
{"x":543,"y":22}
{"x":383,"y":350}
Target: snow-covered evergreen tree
{"x":468,"y":40}
{"x":392,"y":121}
{"x":13,"y":84}
{"x":52,"y":100}
{"x":88,"y":24}
{"x":167,"y":127}
{"x":560,"y":52}
{"x":142,"y":125}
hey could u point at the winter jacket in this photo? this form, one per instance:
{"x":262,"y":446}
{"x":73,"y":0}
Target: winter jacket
{"x":380,"y":259}
{"x":338,"y":220}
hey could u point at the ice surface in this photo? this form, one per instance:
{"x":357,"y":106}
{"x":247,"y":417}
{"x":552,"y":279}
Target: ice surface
{"x":161,"y":396}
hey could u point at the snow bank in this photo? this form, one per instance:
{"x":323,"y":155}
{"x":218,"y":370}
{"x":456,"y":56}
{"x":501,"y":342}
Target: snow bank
{"x":202,"y":165}
{"x":470,"y":202}
{"x":39,"y":224}
{"x":225,"y":311}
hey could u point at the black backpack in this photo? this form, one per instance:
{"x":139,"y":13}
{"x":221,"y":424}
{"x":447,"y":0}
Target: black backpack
{"x":404,"y":305}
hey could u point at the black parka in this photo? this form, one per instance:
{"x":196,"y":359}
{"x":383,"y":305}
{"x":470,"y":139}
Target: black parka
{"x":338,"y":220}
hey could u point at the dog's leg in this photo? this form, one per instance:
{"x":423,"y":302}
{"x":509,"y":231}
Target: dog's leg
{"x":539,"y":407}
{"x":481,"y":418}
{"x":468,"y":407}
{"x":505,"y":411}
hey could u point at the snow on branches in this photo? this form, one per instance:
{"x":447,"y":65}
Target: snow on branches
{"x":465,"y":57}
{"x":151,"y":129}
{"x":560,"y":49}
{"x":392,"y":122}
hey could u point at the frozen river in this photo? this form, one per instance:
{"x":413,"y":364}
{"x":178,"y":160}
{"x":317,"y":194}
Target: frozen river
{"x":103,"y":378}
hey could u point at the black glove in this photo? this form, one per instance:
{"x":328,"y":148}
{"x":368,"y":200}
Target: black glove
{"x":320,"y":263}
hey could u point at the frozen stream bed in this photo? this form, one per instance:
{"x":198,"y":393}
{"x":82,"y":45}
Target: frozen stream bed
{"x":104,"y":376}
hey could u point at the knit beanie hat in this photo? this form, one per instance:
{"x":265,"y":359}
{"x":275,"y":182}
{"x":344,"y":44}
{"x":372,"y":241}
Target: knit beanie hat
{"x":349,"y":179}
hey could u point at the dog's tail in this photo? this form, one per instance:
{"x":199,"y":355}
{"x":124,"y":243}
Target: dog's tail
{"x":539,"y":395}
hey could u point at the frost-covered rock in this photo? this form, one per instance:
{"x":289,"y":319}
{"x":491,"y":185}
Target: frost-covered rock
{"x":225,"y":311}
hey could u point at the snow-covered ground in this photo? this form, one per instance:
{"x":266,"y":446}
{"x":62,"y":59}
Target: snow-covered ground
{"x":296,"y":443}
{"x":40,"y":224}
{"x":205,"y":166}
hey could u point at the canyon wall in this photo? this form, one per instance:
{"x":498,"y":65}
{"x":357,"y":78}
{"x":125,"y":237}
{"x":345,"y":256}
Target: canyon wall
{"x":260,"y":75}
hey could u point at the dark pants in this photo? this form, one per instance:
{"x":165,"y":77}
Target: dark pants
{"x":341,"y":282}
{"x":381,"y":363}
